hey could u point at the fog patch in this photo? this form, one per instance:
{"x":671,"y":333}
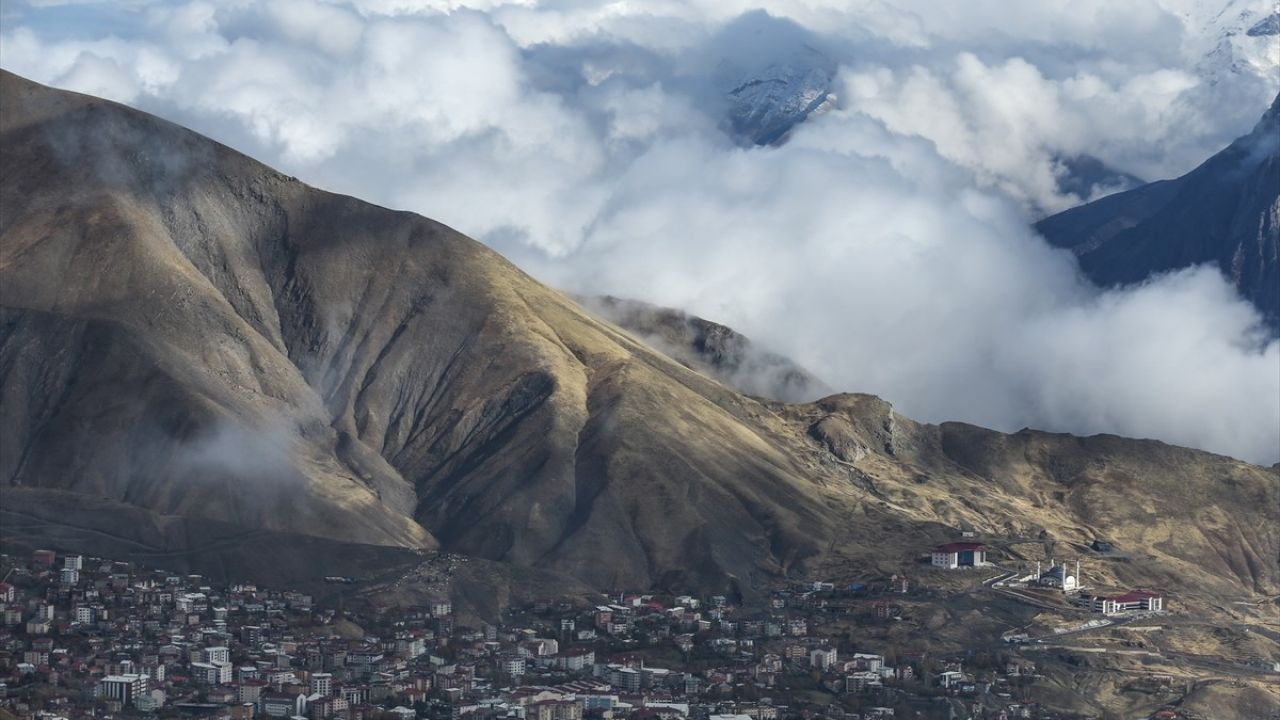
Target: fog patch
{"x":263,"y":455}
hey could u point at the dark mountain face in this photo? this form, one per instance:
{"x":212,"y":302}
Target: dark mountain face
{"x":1225,"y":212}
{"x":203,"y":358}
{"x":1270,"y":25}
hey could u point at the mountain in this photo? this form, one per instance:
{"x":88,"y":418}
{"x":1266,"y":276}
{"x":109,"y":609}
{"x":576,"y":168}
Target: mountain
{"x":1225,"y":212}
{"x":712,"y":349}
{"x":188,"y":331}
{"x":1266,"y":27}
{"x":769,"y":74}
{"x":203,"y":361}
{"x":766,"y":102}
{"x":1233,"y":40}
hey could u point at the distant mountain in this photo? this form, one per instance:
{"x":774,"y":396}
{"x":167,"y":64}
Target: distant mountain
{"x":1235,"y":38}
{"x":1266,"y":27}
{"x":209,"y":364}
{"x":1225,"y":212}
{"x":766,"y":101}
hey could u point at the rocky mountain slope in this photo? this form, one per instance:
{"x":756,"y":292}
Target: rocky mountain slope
{"x":712,"y":349}
{"x":187,"y":330}
{"x":192,"y":344}
{"x":1225,"y":212}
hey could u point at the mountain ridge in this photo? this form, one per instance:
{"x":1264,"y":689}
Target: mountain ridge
{"x":1225,"y":212}
{"x":187,"y":332}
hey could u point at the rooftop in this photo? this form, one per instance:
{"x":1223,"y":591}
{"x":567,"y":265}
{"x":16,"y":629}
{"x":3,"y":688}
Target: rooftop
{"x":959,"y":547}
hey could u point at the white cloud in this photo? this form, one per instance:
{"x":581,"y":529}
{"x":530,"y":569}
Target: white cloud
{"x":885,"y":246}
{"x":1011,"y":124}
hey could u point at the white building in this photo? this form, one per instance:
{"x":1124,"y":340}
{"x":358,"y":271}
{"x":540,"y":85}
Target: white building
{"x":822,"y":658}
{"x":576,"y":659}
{"x":866,"y":661}
{"x":124,"y":688}
{"x":625,"y":678}
{"x":211,"y":673}
{"x":1135,"y":601}
{"x":959,"y":554}
{"x":950,"y":678}
{"x":322,"y":684}
{"x":513,"y":665}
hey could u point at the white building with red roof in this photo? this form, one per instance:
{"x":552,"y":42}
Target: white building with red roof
{"x":960,"y":554}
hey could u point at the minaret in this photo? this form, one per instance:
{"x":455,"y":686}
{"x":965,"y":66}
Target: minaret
{"x":1078,"y":581}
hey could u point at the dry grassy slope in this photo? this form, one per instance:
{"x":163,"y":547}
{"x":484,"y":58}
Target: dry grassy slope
{"x":1194,"y":523}
{"x":185,"y":330}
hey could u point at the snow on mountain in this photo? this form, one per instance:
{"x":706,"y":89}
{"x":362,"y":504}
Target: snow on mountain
{"x":1236,"y":38}
{"x":765,"y":103}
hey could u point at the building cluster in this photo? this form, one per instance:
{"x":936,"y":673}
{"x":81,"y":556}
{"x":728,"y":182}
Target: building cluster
{"x":86,"y":637}
{"x":1058,"y":576}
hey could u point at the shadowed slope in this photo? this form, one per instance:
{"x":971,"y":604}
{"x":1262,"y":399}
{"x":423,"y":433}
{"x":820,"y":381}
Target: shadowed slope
{"x":1225,"y":212}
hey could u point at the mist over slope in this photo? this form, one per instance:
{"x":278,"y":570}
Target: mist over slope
{"x":712,"y":349}
{"x":191,"y":339}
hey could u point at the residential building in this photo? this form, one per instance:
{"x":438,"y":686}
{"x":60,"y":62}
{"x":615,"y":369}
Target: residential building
{"x":959,"y":554}
{"x":123,"y":688}
{"x":322,"y":684}
{"x":822,"y":658}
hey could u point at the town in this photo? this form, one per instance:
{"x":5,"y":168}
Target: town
{"x":87,"y":637}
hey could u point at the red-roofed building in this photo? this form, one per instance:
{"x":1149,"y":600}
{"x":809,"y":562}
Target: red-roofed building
{"x":960,"y":554}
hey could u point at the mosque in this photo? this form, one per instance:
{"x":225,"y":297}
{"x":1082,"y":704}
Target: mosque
{"x":1058,"y":576}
